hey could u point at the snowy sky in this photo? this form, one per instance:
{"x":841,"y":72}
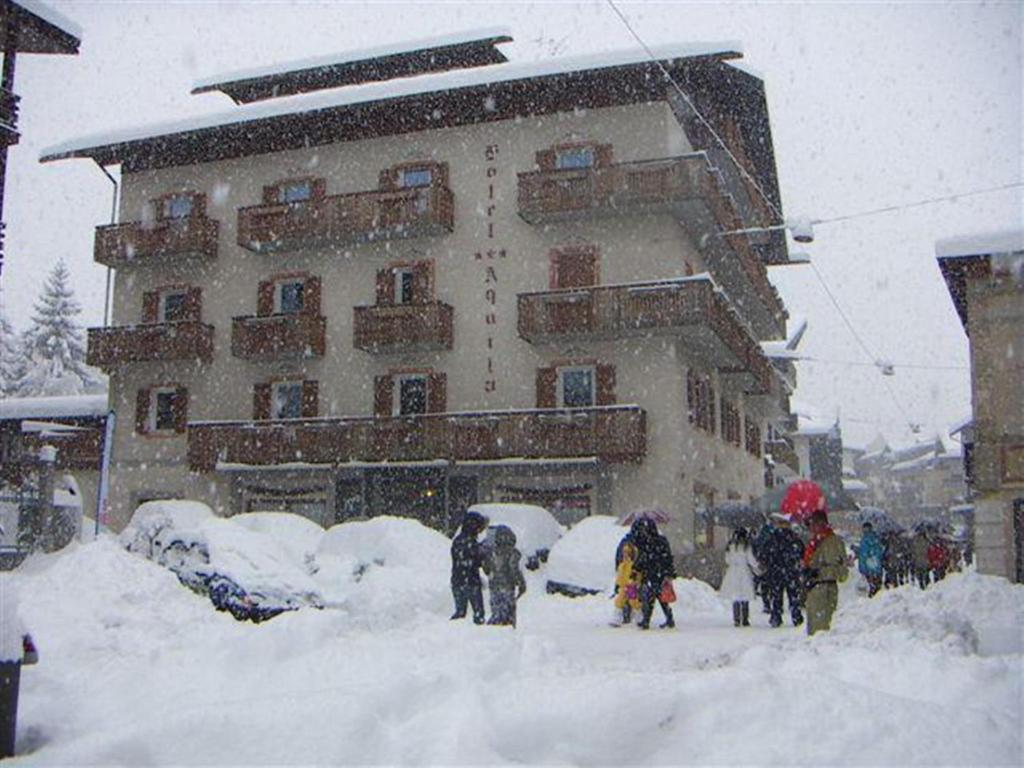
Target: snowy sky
{"x":872,"y":105}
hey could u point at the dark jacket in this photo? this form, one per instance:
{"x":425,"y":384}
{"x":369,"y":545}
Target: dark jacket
{"x":502,"y":563}
{"x":467,"y":554}
{"x":654,"y":556}
{"x":780,"y":552}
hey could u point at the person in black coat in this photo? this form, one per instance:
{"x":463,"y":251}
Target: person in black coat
{"x":654,"y":562}
{"x":780,"y":551}
{"x":467,"y":560}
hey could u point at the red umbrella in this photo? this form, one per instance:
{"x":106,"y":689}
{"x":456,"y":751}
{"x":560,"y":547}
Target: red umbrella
{"x":803,"y":498}
{"x":657,"y":515}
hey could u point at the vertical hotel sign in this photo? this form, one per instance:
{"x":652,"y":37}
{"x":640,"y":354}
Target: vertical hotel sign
{"x":489,"y":258}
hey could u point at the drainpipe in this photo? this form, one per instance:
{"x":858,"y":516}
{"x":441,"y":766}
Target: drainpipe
{"x":113,"y":220}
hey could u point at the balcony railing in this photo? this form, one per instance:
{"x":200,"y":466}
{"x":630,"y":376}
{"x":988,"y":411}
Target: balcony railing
{"x":782,"y":452}
{"x":689,"y":307}
{"x":403,"y":328}
{"x":615,"y":434}
{"x":351,"y":218}
{"x":8,"y":117}
{"x":121,"y":245}
{"x":109,"y":347}
{"x":278,"y":337}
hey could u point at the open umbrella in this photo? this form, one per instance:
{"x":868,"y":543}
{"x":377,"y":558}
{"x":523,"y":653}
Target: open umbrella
{"x":803,"y":498}
{"x":659,"y":516}
{"x":733,"y":514}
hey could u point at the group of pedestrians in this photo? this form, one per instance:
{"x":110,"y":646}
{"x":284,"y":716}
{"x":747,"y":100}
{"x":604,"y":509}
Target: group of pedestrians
{"x":644,"y":570}
{"x":895,"y":558}
{"x":499,"y":559}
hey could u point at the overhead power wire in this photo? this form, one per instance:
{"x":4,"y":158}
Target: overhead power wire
{"x":894,"y":363}
{"x":919,"y":203}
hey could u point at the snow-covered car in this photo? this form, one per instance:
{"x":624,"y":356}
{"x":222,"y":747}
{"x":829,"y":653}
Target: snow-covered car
{"x":535,"y":528}
{"x":245,"y":572}
{"x":583,"y":561}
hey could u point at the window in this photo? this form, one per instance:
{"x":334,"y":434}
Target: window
{"x":289,"y":297}
{"x":412,"y":395}
{"x":178,"y":207}
{"x":731,"y":428}
{"x":163,"y":410}
{"x":753,"y":437}
{"x":173,"y":307}
{"x":286,"y":402}
{"x":416,"y":177}
{"x":576,"y":387}
{"x":405,"y":280}
{"x":700,"y":400}
{"x":295,"y":191}
{"x":577,"y":157}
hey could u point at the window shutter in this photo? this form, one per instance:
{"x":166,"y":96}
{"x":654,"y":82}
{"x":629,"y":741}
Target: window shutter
{"x":151,"y":307}
{"x":574,"y":267}
{"x":310,"y":401}
{"x":388,"y":179}
{"x":142,"y":412}
{"x":605,"y":385}
{"x":265,"y":299}
{"x":271,"y":194}
{"x":261,"y":394}
{"x":547,"y":380}
{"x":423,"y":282}
{"x":179,"y":407}
{"x":311,"y":296}
{"x":198,"y":204}
{"x":385,"y":286}
{"x":383,"y":395}
{"x":194,"y":304}
{"x":437,"y":393}
{"x":603,"y":155}
{"x":545,"y":159}
{"x":318,"y":189}
{"x":441,"y":174}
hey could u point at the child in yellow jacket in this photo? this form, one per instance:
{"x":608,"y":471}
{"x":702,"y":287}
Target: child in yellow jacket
{"x":627,"y":583}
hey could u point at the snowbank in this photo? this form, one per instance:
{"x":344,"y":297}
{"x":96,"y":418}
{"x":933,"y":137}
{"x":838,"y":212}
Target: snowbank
{"x":535,"y":528}
{"x":585,"y":556}
{"x":11,"y":628}
{"x":298,"y":535}
{"x":142,"y":534}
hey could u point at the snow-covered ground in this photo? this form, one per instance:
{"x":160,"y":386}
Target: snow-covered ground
{"x":136,"y":670}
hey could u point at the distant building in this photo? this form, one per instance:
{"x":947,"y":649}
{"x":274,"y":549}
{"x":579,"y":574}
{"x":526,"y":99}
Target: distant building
{"x":26,"y":26}
{"x":985,"y":277}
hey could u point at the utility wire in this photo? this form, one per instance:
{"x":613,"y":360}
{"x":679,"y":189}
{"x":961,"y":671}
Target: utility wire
{"x":919,"y":203}
{"x":894,"y":363}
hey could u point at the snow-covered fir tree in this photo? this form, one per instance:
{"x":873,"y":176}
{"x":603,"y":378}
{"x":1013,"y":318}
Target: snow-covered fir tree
{"x":10,"y":356}
{"x":53,"y":349}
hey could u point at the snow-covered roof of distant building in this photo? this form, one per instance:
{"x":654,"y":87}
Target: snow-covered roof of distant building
{"x":981,"y":244}
{"x":69,"y":406}
{"x":460,"y":50}
{"x":352,"y":112}
{"x":854,"y":485}
{"x":40,"y":29}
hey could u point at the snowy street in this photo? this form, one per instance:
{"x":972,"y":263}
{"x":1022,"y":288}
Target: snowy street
{"x":136,"y":670}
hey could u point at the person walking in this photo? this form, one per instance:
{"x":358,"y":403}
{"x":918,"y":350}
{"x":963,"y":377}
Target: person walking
{"x":738,"y":583}
{"x":627,"y":585}
{"x":654,"y":561}
{"x":467,"y":560}
{"x":825,"y":568}
{"x":505,"y":580}
{"x":938,"y":558}
{"x":919,"y":557}
{"x":779,"y":554}
{"x":869,"y":558}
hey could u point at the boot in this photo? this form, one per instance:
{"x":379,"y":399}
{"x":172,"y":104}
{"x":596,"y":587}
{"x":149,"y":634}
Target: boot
{"x":745,"y":613}
{"x":670,"y":620}
{"x":737,"y":615}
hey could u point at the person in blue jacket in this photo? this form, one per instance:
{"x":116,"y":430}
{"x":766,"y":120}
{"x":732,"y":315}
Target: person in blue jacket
{"x":870,"y":555}
{"x":467,"y":560}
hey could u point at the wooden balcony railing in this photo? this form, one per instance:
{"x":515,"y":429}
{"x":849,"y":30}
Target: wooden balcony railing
{"x":782,"y":452}
{"x":121,"y":245}
{"x":687,"y":306}
{"x":403,"y":328}
{"x":77,"y":450}
{"x":278,"y":337}
{"x":351,"y":218}
{"x":8,"y":117}
{"x":615,"y":434}
{"x":188,"y":340}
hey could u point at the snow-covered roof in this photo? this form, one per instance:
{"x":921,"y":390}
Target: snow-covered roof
{"x":386,"y":91}
{"x":982,"y":243}
{"x":348,"y":57}
{"x":50,"y":16}
{"x":69,"y":406}
{"x":854,"y":485}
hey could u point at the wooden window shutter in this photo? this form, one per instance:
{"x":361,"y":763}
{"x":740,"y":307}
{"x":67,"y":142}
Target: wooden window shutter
{"x":261,"y":394}
{"x":151,"y":307}
{"x":271,"y":194}
{"x":383,"y":395}
{"x":388,"y":179}
{"x":547,"y":384}
{"x":193,"y":304}
{"x":318,"y":189}
{"x":423,"y":282}
{"x":142,"y":412}
{"x":605,"y":386}
{"x":574,"y":267}
{"x":311,"y":296}
{"x":265,"y":299}
{"x":198,"y":204}
{"x":545,"y":159}
{"x":385,"y":286}
{"x":179,"y":407}
{"x":603,"y":155}
{"x":437,"y":393}
{"x":310,"y":400}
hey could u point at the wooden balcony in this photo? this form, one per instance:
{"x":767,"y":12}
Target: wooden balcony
{"x":614,"y":434}
{"x":687,"y":307}
{"x":188,"y":340}
{"x":8,"y":117}
{"x":356,"y":217}
{"x":389,"y":329}
{"x":122,"y":245}
{"x":782,"y":452}
{"x":278,"y":337}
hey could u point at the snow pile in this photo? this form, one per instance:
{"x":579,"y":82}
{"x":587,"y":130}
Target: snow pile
{"x":142,"y":535}
{"x":585,"y":556}
{"x":11,"y":629}
{"x":298,"y":535}
{"x":535,"y":528}
{"x":386,"y":570}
